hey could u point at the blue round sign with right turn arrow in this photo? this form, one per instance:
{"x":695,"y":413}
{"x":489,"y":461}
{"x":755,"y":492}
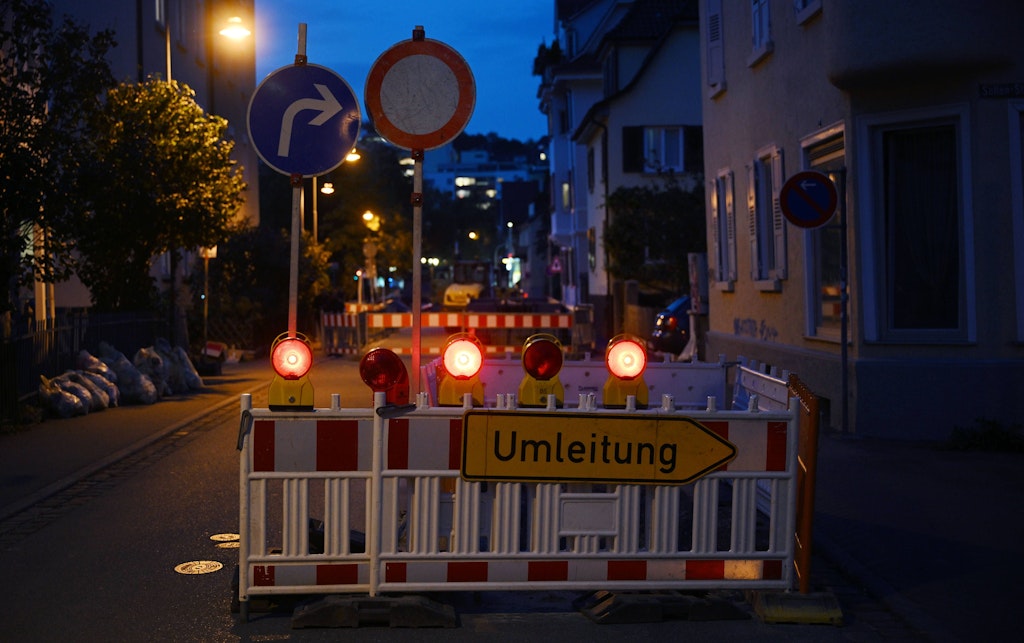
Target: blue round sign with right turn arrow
{"x":303,"y":119}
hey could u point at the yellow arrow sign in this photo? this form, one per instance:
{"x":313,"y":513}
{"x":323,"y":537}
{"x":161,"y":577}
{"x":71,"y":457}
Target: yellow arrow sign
{"x":591,"y":447}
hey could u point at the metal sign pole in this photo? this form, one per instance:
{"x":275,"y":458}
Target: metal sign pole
{"x":293,"y":266}
{"x":844,"y":301}
{"x":417,"y":271}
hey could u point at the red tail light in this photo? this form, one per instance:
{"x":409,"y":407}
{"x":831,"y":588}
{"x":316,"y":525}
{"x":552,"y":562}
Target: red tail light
{"x":291,"y":357}
{"x":542,"y":356}
{"x":626,"y":357}
{"x":671,"y":322}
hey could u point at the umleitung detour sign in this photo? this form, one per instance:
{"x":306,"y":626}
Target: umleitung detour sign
{"x":589,"y":447}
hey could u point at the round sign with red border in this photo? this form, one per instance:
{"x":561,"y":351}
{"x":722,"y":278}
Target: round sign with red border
{"x":420,"y":94}
{"x":808,"y":199}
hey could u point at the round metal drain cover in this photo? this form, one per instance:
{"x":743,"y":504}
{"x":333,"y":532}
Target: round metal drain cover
{"x":223,"y":538}
{"x":199,"y":567}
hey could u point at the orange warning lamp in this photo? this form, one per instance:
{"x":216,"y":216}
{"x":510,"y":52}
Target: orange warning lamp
{"x":461,"y":361}
{"x":291,"y":357}
{"x":542,"y":361}
{"x":626,"y":359}
{"x":384,"y":371}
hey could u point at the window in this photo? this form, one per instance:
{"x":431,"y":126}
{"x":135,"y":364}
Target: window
{"x":805,"y":10}
{"x":723,"y":230}
{"x":715,"y":55}
{"x":920,"y":261}
{"x":767,"y":226}
{"x":662,"y":149}
{"x":761,"y":30}
{"x":825,"y":152}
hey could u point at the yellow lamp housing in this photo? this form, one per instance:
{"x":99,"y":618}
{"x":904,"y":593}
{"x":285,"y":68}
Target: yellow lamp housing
{"x":542,"y":362}
{"x":459,"y":372}
{"x":291,"y":357}
{"x":626,"y":359}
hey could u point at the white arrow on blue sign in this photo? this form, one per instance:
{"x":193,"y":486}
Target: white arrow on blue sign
{"x":303,"y":119}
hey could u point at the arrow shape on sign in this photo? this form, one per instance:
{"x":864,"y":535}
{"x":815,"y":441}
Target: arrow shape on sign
{"x":328,"y":107}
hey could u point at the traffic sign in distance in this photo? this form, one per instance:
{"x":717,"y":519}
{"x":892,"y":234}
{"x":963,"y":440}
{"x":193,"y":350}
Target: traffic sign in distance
{"x":589,"y":447}
{"x":303,"y":119}
{"x":808,"y":199}
{"x":420,"y":94}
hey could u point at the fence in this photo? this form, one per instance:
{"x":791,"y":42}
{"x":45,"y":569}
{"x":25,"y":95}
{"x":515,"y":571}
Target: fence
{"x":398,"y":515}
{"x":52,"y":347}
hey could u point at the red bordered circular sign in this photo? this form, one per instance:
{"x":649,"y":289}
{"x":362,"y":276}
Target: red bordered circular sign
{"x":420,"y":94}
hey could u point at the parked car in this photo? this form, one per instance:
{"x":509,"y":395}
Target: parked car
{"x":671,"y":328}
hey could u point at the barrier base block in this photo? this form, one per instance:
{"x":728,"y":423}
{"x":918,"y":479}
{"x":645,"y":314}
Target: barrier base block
{"x":794,"y":607}
{"x":610,"y":608}
{"x":359,"y":611}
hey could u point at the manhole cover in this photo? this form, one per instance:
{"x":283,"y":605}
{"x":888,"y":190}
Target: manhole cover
{"x":223,"y":538}
{"x":199,"y":567}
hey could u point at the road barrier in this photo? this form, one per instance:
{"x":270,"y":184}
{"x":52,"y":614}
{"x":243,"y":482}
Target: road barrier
{"x":348,"y":332}
{"x":339,"y":501}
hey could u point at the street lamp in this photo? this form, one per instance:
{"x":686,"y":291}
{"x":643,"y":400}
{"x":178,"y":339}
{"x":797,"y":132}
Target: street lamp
{"x":327,"y":188}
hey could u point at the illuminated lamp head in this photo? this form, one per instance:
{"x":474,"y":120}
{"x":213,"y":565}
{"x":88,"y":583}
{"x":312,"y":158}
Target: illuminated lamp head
{"x":291,"y":357}
{"x":626,"y":359}
{"x":461,"y":361}
{"x":463,"y":356}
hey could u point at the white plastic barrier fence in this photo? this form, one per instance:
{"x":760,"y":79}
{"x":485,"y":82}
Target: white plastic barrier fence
{"x":397,"y":516}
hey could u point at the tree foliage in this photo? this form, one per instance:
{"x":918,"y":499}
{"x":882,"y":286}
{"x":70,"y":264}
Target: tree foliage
{"x":52,"y":78}
{"x":650,"y":231}
{"x":162,"y":179}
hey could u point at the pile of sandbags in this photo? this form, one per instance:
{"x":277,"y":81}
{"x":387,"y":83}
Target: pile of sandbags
{"x":112,"y":379}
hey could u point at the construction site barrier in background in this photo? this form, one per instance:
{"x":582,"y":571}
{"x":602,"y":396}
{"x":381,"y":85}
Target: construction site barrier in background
{"x":347,"y":333}
{"x":392,"y":513}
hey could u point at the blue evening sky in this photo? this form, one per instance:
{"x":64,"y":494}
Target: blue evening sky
{"x":499,"y":41}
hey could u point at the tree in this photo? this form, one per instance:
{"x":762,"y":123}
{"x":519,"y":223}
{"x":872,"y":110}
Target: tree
{"x":51,"y":84}
{"x":162,"y":180}
{"x":650,"y":232}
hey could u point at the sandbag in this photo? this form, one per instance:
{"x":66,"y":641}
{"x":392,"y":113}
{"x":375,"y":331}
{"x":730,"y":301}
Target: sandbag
{"x":98,"y":398}
{"x":59,"y":401}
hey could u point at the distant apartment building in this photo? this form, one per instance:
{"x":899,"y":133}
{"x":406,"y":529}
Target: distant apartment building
{"x":915,"y":110}
{"x":622,"y":93}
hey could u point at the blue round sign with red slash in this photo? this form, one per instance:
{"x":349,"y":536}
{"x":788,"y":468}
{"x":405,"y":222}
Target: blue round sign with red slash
{"x":808,"y":199}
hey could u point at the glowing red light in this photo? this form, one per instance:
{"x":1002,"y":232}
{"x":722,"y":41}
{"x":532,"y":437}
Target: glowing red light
{"x":626,"y":358}
{"x":463,"y":357}
{"x":291,"y":357}
{"x":542,"y":357}
{"x":381,"y":369}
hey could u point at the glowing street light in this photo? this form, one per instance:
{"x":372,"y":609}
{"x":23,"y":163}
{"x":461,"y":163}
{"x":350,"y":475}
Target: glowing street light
{"x":235,"y":29}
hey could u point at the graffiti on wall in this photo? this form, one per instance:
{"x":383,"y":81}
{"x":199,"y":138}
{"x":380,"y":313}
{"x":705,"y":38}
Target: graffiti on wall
{"x":752,"y":328}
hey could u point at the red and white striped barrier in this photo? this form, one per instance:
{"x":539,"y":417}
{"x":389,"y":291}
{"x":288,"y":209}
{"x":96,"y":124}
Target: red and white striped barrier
{"x":398,"y":483}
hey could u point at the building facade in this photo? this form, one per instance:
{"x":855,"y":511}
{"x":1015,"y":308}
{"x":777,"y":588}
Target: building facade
{"x":915,"y":111}
{"x":623,"y":106}
{"x":182,"y":41}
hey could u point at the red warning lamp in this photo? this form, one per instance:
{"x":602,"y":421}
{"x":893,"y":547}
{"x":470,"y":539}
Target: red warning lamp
{"x":291,"y":358}
{"x":626,"y":359}
{"x":384,"y":371}
{"x":461,"y":361}
{"x":542,"y":361}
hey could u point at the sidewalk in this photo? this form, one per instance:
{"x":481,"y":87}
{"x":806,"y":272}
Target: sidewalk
{"x":934,"y":534}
